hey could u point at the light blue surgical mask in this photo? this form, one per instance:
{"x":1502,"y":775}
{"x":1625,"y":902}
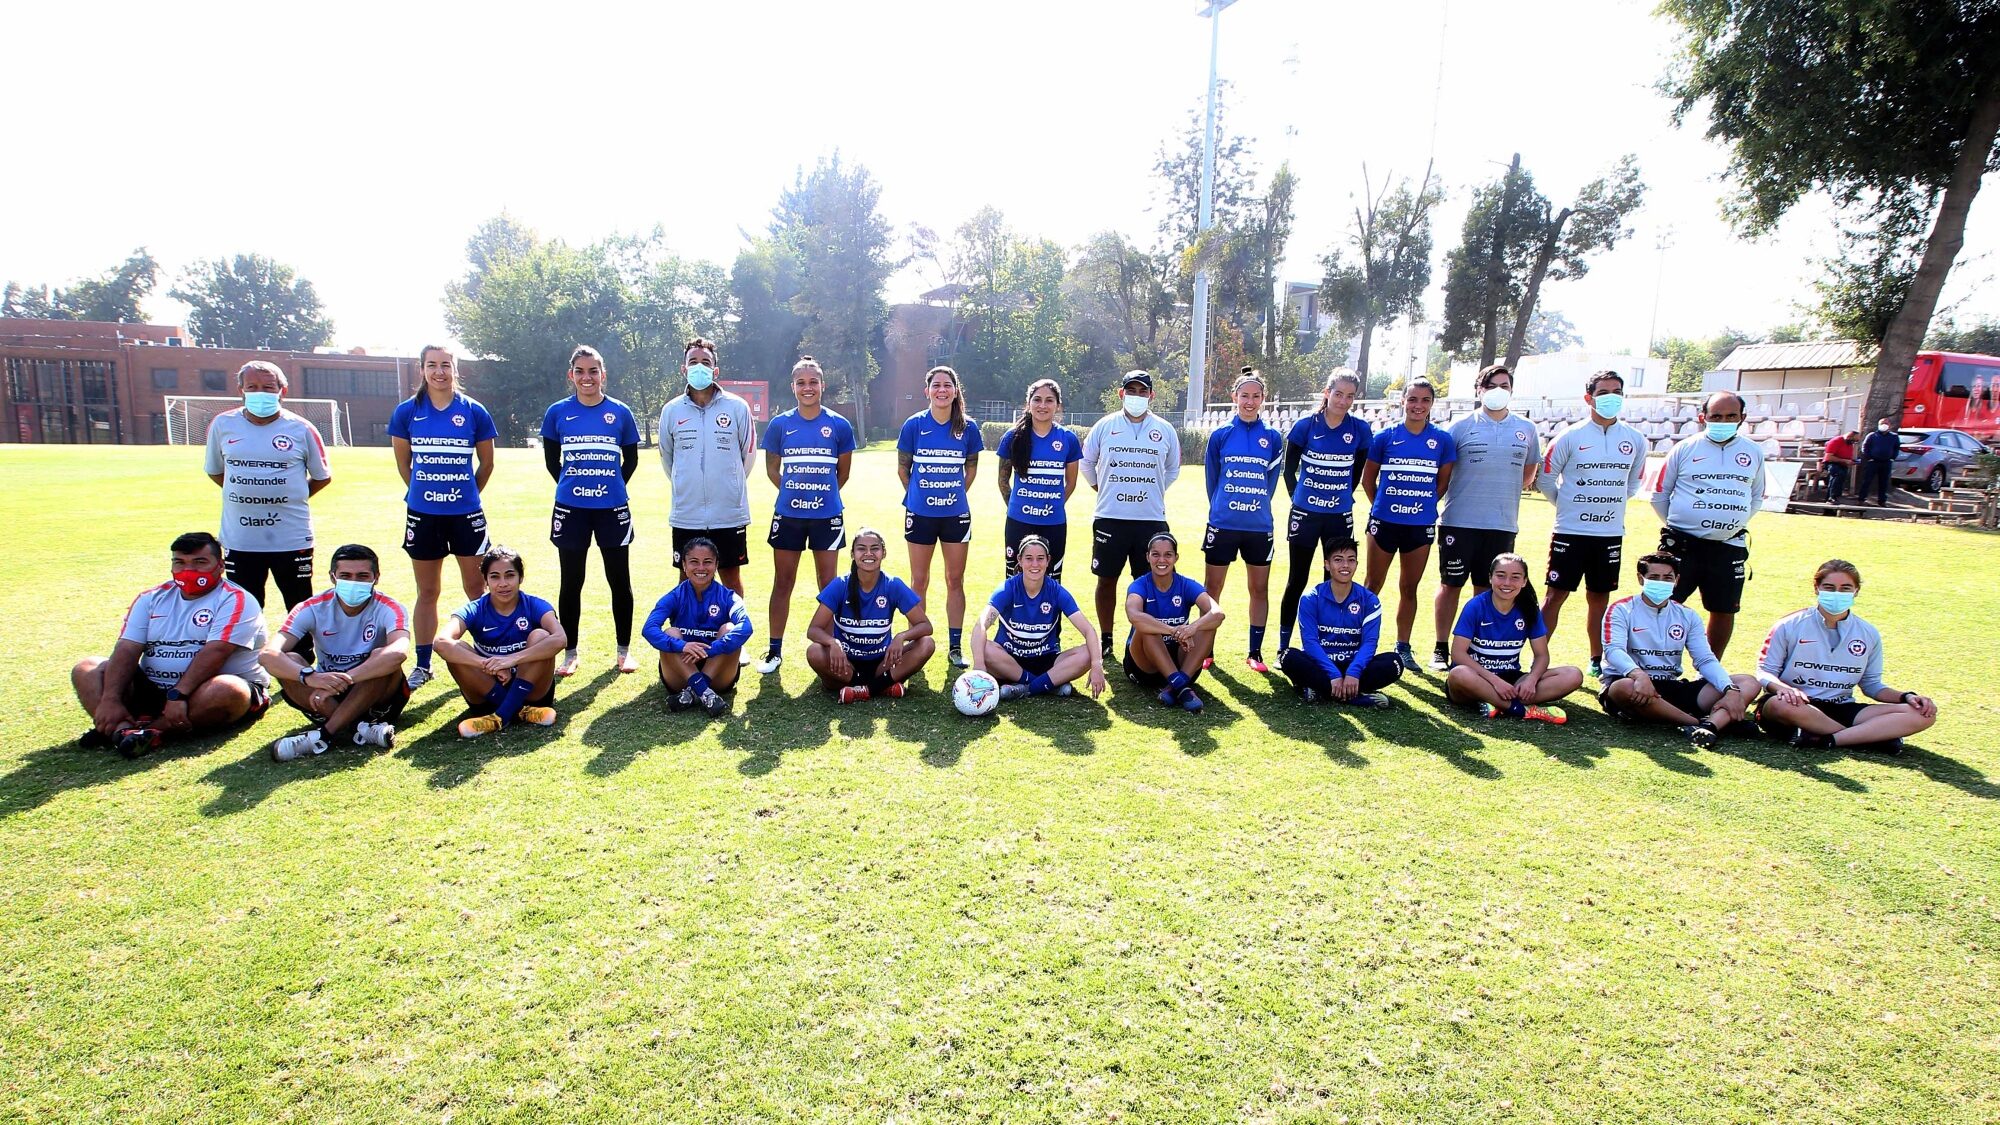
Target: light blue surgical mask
{"x":1608,"y":405}
{"x":1722,"y":431}
{"x":1136,"y":405}
{"x":700,"y":377}
{"x":1833,"y":603}
{"x":1658,"y":590}
{"x":261,"y":403}
{"x":352,"y":593}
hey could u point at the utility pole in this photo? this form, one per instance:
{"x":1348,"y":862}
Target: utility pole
{"x":1197,"y":394}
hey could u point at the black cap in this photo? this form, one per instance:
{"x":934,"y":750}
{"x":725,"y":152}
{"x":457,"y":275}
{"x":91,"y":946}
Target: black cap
{"x":1139,"y":377}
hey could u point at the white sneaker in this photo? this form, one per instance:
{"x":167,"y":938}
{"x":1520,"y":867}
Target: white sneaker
{"x":769,"y":663}
{"x":375,"y":734}
{"x":1011,"y":692}
{"x":419,"y":676}
{"x":303,"y":745}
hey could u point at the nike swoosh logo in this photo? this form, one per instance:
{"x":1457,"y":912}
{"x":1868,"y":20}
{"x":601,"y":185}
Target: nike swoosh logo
{"x":420,"y":418}
{"x":1697,"y":460}
{"x":927,"y":433}
{"x":1483,"y":624}
{"x":155,"y":616}
{"x":569,"y":417}
{"x":328,"y":632}
{"x":232,"y":441}
{"x":1583,"y":449}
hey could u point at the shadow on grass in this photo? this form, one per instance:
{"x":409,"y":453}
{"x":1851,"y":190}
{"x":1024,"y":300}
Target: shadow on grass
{"x":1433,"y":735}
{"x":453,"y":761}
{"x":772,"y":722}
{"x":1192,"y":734}
{"x":1069,"y":723}
{"x":1813,"y":764}
{"x":44,"y":774}
{"x":1332,"y":727}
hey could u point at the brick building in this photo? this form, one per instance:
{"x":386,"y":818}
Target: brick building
{"x":919,"y":336}
{"x":97,"y":383}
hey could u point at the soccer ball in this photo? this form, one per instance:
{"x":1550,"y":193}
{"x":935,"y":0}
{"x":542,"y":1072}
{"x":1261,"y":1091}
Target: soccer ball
{"x":975,"y":693}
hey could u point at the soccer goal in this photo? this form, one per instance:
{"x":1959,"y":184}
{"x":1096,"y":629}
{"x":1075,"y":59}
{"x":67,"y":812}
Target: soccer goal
{"x":188,"y":417}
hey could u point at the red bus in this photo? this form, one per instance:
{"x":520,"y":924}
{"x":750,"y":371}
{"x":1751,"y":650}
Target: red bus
{"x":1952,"y":390}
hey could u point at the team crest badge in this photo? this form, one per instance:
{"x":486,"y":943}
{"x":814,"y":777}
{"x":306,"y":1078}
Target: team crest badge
{"x":1521,"y":624}
{"x":826,"y":431}
{"x":722,"y":420}
{"x":1676,"y":632}
{"x":1152,"y":435}
{"x":368,"y":632}
{"x":610,"y":418}
{"x":1858,"y":648}
{"x":1056,"y":445}
{"x":202,"y":617}
{"x":1177,"y":601}
{"x":1743,"y":459}
{"x":521,"y":623}
{"x":281,"y":442}
{"x":458,"y":419}
{"x":715,"y":611}
{"x":1430,"y":443}
{"x":1625,"y":447}
{"x":1553,"y":576}
{"x":881,"y":601}
{"x":1449,"y":540}
{"x":1046,"y":607}
{"x":1264,"y":443}
{"x":1347,"y":438}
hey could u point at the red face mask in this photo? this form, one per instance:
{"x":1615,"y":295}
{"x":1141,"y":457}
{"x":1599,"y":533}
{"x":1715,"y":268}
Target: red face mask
{"x":195,"y":583}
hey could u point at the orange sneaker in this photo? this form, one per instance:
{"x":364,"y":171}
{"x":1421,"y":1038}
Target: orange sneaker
{"x":1549,"y":714}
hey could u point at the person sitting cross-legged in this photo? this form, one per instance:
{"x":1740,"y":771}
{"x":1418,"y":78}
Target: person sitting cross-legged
{"x":1486,"y":646}
{"x":1027,"y":657}
{"x":1645,"y":637}
{"x":352,"y":686}
{"x":1814,"y":660}
{"x":854,"y":648}
{"x":1340,"y":633}
{"x":1174,"y":621}
{"x":501,"y":648}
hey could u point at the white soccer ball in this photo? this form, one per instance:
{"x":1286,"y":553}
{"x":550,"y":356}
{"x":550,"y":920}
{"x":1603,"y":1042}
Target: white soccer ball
{"x":975,"y":693}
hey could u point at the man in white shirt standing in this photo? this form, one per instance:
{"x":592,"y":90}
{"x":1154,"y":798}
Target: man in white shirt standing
{"x":1131,"y":457}
{"x":1712,"y":484}
{"x":1589,"y":472}
{"x":706,"y":444}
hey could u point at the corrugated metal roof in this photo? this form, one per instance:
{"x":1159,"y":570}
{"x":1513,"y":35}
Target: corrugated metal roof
{"x":1803,"y":355}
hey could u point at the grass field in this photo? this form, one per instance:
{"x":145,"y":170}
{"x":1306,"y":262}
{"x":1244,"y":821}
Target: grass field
{"x":1080,"y":911}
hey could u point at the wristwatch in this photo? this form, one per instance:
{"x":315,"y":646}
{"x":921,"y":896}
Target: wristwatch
{"x":1908,"y":696}
{"x":174,"y":695}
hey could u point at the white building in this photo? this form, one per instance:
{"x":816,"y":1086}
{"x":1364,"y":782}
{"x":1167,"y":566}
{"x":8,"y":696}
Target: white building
{"x":1560,"y":375}
{"x":1815,"y":378}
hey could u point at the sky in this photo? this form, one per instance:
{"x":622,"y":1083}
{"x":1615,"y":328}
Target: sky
{"x":363,"y":144}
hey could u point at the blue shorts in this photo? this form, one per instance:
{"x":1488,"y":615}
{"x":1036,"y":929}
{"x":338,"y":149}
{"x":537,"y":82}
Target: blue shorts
{"x":936,"y":529}
{"x":428,"y":536}
{"x":572,"y":529}
{"x":799,"y":533}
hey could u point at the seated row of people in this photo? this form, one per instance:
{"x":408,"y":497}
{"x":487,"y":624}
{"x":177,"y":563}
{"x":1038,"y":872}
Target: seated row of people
{"x":192,"y":655}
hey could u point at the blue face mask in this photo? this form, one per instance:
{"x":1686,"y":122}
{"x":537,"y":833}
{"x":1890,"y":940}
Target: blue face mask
{"x":352,"y":593}
{"x":700,"y":377}
{"x":1658,"y":590}
{"x":1722,"y":431}
{"x":1834,"y":603}
{"x":261,"y":403}
{"x":1608,"y":405}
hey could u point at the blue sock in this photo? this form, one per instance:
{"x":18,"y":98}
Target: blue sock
{"x":698,"y":683}
{"x":1177,"y":681}
{"x":1517,"y":709}
{"x":1284,"y":640}
{"x":1038,"y":684}
{"x":1256,"y":640}
{"x":777,"y":645}
{"x":514,"y":697}
{"x":494,"y":693}
{"x":423,"y":656}
{"x":957,"y":635}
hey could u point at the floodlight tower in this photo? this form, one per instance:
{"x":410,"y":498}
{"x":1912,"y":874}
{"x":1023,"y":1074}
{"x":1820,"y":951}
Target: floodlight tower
{"x":1197,"y":394}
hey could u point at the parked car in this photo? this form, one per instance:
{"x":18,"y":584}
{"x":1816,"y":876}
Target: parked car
{"x":1933,"y":457}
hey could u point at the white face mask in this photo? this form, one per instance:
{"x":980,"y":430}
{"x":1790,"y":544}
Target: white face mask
{"x":1882,"y":427}
{"x":1496,"y":398}
{"x":1135,"y":405}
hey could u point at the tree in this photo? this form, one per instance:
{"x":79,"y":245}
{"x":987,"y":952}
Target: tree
{"x":1178,"y":168}
{"x":829,"y":220}
{"x":1981,"y":337}
{"x":1121,"y":308}
{"x":27,"y":302}
{"x":250,"y":301}
{"x":1596,"y":221}
{"x":1013,"y":305}
{"x":1391,"y":268}
{"x":113,"y":298}
{"x":763,"y":284}
{"x":498,"y":240}
{"x":668,"y":300}
{"x":1889,"y":110}
{"x":1550,"y":332}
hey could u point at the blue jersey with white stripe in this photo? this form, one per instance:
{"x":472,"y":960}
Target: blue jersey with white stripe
{"x":1406,"y":486}
{"x":593,"y":441}
{"x":496,"y":634}
{"x":714,"y":617}
{"x":865,"y":631}
{"x":937,"y":468}
{"x":1243,"y":463}
{"x":1036,"y":496}
{"x":1329,"y":462}
{"x":1497,"y":638}
{"x":1032,"y":626}
{"x":1171,"y":606}
{"x":809,"y":452}
{"x":443,"y":468}
{"x":1340,"y":632}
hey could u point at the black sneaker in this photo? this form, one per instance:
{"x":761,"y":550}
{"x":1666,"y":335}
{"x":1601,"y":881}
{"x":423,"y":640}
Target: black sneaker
{"x":1803,"y":740}
{"x":1892,"y":747}
{"x":137,"y":742}
{"x":1701,"y":735}
{"x":680,"y":700}
{"x":1106,"y":647}
{"x":93,"y":739}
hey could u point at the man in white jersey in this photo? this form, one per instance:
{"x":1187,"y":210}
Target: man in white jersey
{"x":1645,"y":637}
{"x":1590,"y":471}
{"x":1712,"y":484}
{"x":1131,"y":457}
{"x":268,"y":462}
{"x":362,"y":637}
{"x":186,"y":660}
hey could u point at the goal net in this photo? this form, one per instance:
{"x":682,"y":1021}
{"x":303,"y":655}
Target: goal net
{"x":188,"y":417}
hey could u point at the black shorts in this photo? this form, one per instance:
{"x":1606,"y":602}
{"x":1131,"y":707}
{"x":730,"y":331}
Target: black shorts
{"x":1396,"y":538}
{"x":865,"y":671}
{"x":1511,"y":675}
{"x":572,"y":529}
{"x":1469,"y":553}
{"x":1220,"y":546}
{"x":1584,"y":560}
{"x":1036,"y":665}
{"x":1151,"y":681}
{"x":548,"y":699}
{"x":385,"y":710}
{"x":1717,"y":569}
{"x":799,"y":533}
{"x":1842,"y":711}
{"x":1116,"y":543}
{"x":1057,"y":535}
{"x":1682,"y":694}
{"x":428,"y":536}
{"x":926,"y":530}
{"x":292,"y":570}
{"x":1327,"y":528}
{"x":146,"y":699}
{"x":732,"y":544}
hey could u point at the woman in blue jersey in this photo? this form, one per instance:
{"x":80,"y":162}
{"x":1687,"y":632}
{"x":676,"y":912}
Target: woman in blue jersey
{"x":501,"y":649}
{"x":700,"y":627}
{"x":1174,"y":621}
{"x":1323,"y":455}
{"x":937,"y":455}
{"x":1486,"y":646}
{"x":1407,"y":471}
{"x":807,"y":452}
{"x":1027,"y":656}
{"x":851,"y":641}
{"x":444,"y":450}
{"x":590,"y":443}
{"x":1038,"y":465}
{"x":1814,"y":660}
{"x":1244,"y":458}
{"x":1339,"y":658}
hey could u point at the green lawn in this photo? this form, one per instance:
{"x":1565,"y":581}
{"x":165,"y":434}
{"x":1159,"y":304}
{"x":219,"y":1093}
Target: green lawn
{"x":1080,"y":911}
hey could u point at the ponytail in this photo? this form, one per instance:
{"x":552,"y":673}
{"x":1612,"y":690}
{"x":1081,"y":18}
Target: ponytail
{"x":1023,"y":431}
{"x":957,"y":398}
{"x":1526,"y":601}
{"x":854,"y":572}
